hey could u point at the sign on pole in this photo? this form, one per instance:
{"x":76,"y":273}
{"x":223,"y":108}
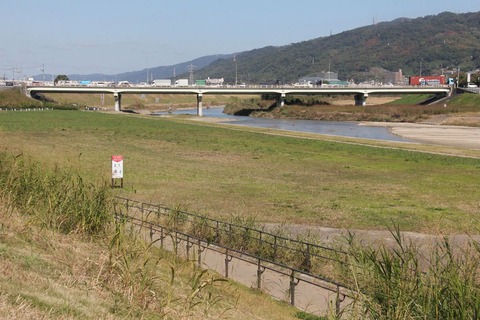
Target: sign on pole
{"x":117,"y":169}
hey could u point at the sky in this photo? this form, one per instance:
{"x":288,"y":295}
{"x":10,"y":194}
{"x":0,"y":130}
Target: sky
{"x":116,"y":36}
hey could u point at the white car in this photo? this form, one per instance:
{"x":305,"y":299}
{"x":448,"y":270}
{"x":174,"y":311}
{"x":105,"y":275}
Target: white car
{"x":471,"y":85}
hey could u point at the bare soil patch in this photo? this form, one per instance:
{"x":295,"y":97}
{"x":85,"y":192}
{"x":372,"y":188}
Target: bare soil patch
{"x":456,"y":136}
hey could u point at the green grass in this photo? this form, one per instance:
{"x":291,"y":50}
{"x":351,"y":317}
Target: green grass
{"x":410,"y":99}
{"x":225,"y":172}
{"x":466,"y":100}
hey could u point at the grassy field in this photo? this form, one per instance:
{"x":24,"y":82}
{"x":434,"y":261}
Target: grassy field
{"x":225,"y":171}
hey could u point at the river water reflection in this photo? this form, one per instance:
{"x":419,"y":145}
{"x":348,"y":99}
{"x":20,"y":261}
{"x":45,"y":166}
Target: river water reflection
{"x":335,"y":128}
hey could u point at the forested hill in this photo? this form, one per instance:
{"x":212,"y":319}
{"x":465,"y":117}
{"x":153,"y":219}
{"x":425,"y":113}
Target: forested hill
{"x":431,"y":43}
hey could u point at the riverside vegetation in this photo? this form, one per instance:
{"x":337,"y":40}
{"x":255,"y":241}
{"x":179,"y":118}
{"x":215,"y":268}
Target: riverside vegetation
{"x":462,"y":110}
{"x":269,"y":178}
{"x":64,"y":256}
{"x":391,"y":283}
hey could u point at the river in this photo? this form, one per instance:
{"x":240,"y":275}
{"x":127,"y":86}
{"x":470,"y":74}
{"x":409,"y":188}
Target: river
{"x":334,"y":128}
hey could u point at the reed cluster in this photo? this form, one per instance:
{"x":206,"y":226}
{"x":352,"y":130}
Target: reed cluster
{"x":154,"y":280}
{"x":400,"y":282}
{"x":54,"y":198}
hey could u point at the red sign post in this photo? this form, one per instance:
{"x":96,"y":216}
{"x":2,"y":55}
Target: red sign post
{"x":117,"y":170}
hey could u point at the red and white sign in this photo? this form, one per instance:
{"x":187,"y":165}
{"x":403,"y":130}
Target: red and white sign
{"x":117,"y":167}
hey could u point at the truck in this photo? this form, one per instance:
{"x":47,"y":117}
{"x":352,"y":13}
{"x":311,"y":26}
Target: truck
{"x":426,"y":80}
{"x":181,"y":83}
{"x":162,"y":83}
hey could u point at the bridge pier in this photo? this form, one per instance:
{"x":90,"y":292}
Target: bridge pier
{"x":199,"y":104}
{"x":361,"y":99}
{"x":281,"y":100}
{"x":118,"y":101}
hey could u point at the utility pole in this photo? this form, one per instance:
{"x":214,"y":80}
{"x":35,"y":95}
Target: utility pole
{"x":235,"y":61}
{"x":458,"y":76}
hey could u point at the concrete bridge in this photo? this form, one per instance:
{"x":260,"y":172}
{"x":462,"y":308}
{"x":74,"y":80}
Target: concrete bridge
{"x":281,"y":92}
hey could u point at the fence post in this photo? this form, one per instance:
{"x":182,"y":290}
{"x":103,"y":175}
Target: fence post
{"x":274,"y":248}
{"x":200,"y":250}
{"x":189,"y":245}
{"x":152,"y":232}
{"x":337,"y":302}
{"x":227,"y":260}
{"x":175,"y":243}
{"x":293,"y":284}
{"x":162,"y":236}
{"x":307,"y":264}
{"x":260,"y":241}
{"x":260,"y":271}
{"x":217,"y":232}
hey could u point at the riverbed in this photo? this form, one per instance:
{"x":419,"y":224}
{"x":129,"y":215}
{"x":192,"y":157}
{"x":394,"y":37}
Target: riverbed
{"x":334,"y":128}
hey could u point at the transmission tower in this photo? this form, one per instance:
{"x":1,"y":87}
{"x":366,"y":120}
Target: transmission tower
{"x":191,"y":70}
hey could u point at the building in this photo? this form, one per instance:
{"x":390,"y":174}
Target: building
{"x":395,"y":77}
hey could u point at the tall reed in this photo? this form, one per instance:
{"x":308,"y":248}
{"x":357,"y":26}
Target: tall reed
{"x":55,"y":198}
{"x":171,"y":287}
{"x":398,"y":283}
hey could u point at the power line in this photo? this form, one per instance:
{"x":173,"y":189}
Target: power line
{"x":23,"y":68}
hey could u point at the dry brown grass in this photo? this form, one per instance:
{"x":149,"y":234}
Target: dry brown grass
{"x":372,"y":100}
{"x":46,"y":275}
{"x":464,"y":120}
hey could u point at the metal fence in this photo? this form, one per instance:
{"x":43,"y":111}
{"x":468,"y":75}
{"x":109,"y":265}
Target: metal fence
{"x":260,"y":259}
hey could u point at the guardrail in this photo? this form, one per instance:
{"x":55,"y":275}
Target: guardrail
{"x":244,"y":238}
{"x":472,"y":90}
{"x":164,"y":225}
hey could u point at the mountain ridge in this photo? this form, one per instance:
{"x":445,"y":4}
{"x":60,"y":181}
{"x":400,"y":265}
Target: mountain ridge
{"x":431,"y":44}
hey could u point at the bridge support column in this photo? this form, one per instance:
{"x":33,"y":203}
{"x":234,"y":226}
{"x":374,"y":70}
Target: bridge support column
{"x":281,"y":100}
{"x":199,"y":105}
{"x":361,"y":99}
{"x":118,"y":101}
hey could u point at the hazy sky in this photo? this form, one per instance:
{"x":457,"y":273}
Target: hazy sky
{"x":114,"y":36}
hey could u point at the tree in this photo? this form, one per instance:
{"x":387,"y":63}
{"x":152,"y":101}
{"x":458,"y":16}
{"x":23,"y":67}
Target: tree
{"x":60,"y":77}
